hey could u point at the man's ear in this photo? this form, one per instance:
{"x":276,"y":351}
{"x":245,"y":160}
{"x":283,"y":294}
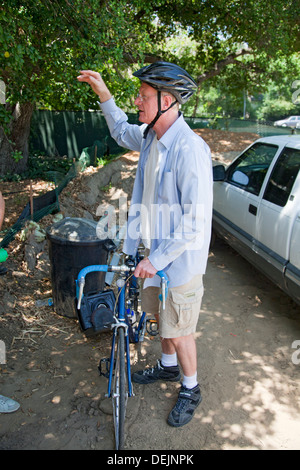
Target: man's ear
{"x":166,"y":101}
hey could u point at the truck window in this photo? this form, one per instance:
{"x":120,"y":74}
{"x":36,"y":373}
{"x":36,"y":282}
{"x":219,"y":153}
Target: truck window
{"x":282,"y":178}
{"x":249,"y":170}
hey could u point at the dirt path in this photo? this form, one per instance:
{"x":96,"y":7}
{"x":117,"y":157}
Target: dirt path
{"x":249,"y":380}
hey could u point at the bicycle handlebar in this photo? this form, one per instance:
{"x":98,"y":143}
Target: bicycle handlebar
{"x":109,"y":268}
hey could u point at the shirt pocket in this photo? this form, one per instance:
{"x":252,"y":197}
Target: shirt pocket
{"x":167,"y":189}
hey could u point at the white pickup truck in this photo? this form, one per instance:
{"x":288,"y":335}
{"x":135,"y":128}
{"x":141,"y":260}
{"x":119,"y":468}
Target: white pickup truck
{"x":257,"y":208}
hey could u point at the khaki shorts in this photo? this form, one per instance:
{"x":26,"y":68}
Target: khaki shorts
{"x":183,"y":304}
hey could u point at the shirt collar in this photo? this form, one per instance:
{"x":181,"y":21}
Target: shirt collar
{"x":168,"y":137}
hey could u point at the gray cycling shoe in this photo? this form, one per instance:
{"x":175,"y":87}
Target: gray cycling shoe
{"x":159,"y":372}
{"x":187,"y":402}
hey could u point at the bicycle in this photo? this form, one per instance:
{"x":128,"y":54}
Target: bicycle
{"x":125,"y":331}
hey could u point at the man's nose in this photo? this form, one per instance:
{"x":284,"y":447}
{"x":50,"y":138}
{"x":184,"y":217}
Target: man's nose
{"x":138,"y":100}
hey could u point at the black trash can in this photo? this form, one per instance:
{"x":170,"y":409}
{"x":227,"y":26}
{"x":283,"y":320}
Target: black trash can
{"x":73,"y":245}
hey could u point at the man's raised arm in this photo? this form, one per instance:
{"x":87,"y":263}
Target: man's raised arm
{"x":97,"y":84}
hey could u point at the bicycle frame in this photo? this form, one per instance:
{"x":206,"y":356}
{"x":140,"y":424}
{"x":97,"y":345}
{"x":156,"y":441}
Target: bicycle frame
{"x":120,"y":320}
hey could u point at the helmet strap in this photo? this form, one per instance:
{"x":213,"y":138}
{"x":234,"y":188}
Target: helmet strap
{"x":159,"y":113}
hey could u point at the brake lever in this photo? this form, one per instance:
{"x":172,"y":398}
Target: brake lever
{"x":81,"y":283}
{"x":164,"y":288}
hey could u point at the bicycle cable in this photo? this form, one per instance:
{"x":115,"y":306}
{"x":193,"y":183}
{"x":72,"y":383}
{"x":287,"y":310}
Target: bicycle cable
{"x":117,"y":297}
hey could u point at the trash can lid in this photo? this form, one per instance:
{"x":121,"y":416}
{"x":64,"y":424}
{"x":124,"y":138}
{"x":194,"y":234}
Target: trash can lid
{"x":73,"y":229}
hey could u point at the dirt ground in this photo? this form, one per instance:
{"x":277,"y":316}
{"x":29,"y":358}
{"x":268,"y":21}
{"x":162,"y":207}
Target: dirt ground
{"x":248,"y":366}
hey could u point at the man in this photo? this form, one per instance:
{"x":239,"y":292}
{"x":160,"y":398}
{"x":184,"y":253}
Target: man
{"x":170,"y":212}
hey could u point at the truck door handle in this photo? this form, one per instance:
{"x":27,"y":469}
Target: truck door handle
{"x":252,"y":209}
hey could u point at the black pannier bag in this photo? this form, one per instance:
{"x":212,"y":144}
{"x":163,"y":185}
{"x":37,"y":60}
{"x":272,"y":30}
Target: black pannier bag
{"x":96,"y":314}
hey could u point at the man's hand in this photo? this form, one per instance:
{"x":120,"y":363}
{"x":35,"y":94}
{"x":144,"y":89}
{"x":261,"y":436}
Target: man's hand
{"x":145,"y":269}
{"x":97,"y":84}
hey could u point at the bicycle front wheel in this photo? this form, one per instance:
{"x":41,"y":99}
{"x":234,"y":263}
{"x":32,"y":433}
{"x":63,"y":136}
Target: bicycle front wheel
{"x":119,"y":391}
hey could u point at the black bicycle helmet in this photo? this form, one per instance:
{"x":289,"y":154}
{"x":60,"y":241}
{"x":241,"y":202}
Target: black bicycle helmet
{"x":168,"y":77}
{"x":165,"y":76}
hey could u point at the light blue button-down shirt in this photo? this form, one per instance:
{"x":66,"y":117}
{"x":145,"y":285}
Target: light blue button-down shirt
{"x":184,"y":196}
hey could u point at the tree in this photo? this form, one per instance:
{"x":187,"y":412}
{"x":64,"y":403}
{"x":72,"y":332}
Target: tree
{"x":281,"y":97}
{"x":44,"y":43}
{"x":227,"y":30}
{"x":244,"y":37}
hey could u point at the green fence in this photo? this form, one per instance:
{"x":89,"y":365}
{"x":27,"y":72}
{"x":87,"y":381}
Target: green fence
{"x":68,"y":133}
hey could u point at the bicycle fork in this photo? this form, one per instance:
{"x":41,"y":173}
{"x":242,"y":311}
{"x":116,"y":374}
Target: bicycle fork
{"x":110,"y":363}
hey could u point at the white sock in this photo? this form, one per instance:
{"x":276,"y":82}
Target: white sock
{"x":169,"y":360}
{"x":190,"y":382}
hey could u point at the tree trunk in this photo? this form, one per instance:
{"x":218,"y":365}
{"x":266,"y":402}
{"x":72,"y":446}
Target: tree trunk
{"x":196,"y":104}
{"x":15,"y":144}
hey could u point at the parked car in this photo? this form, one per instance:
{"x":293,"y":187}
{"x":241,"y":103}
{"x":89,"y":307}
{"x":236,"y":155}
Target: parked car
{"x":257,"y":208}
{"x":291,"y":121}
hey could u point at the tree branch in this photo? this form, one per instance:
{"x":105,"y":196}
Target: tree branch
{"x":214,"y":71}
{"x":221,"y":64}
